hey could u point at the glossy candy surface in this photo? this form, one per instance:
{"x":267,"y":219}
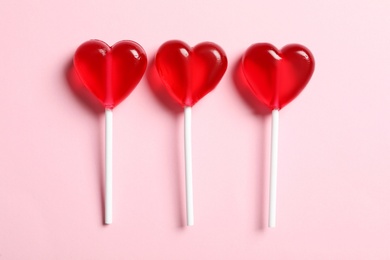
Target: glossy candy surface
{"x":190,"y":73}
{"x":275,"y":76}
{"x":110,"y":73}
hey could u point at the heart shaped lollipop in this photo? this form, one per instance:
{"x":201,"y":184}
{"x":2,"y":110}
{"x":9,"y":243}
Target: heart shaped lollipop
{"x":276,"y":78}
{"x":110,"y":74}
{"x":189,"y":74}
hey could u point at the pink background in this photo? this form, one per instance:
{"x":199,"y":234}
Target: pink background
{"x":333,"y":193}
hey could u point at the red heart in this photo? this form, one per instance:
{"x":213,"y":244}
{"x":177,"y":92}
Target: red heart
{"x":277,"y":77}
{"x":110,"y":73}
{"x":190,"y":73}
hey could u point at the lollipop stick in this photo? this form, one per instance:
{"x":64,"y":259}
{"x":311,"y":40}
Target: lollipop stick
{"x":108,"y":190}
{"x":274,"y":168}
{"x":188,"y":166}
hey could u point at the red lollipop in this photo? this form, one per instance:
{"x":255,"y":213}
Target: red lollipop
{"x":110,"y":74}
{"x":276,"y":77}
{"x":189,"y":74}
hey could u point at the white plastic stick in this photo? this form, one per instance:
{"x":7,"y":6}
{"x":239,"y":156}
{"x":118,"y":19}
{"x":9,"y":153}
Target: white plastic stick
{"x":108,"y":183}
{"x":188,"y":166}
{"x":274,"y":168}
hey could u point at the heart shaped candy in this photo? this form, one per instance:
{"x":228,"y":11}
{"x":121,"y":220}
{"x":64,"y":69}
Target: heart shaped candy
{"x":277,"y":77}
{"x":190,"y":73}
{"x":110,"y":73}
